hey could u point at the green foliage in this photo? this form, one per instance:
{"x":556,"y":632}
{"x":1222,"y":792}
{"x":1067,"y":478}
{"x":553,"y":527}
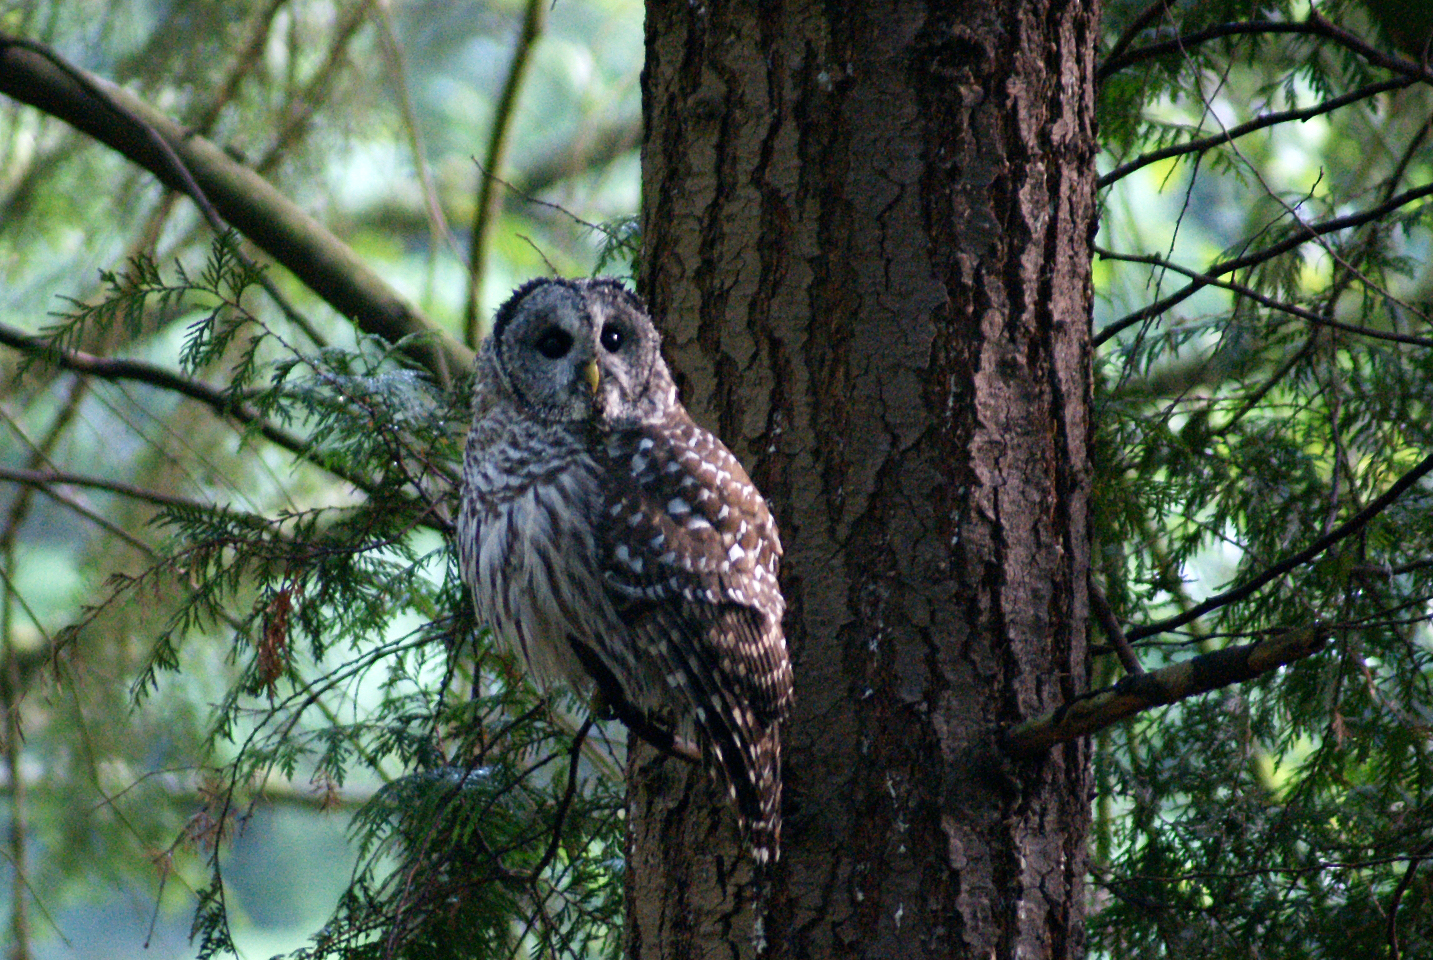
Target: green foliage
{"x":240,"y":598}
{"x":331,"y":690}
{"x":1286,"y":818}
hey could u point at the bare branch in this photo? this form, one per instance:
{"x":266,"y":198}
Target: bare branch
{"x":1100,"y":606}
{"x":244,"y":199}
{"x":45,"y":480}
{"x":1101,"y":708}
{"x":489,"y":198}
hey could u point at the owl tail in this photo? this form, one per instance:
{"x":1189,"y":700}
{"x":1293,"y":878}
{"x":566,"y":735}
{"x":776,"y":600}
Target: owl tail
{"x":749,"y":757}
{"x":760,"y":815}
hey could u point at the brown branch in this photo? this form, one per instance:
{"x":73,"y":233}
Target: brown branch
{"x":1315,"y":26}
{"x":1394,"y":950}
{"x":1303,"y":313}
{"x":1258,"y":123}
{"x":1347,"y":529}
{"x":485,"y":214}
{"x":242,"y":198}
{"x":1098,"y":709}
{"x":1136,"y":26}
{"x":44,"y":480}
{"x":112,"y":368}
{"x":1100,"y":607}
{"x":1305,"y":233}
{"x":1183,"y":44}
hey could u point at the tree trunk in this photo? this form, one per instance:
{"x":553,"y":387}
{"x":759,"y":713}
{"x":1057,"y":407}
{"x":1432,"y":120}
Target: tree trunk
{"x":867,"y":240}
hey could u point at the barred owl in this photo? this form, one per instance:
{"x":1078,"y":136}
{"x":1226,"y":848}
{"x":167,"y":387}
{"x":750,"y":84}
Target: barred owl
{"x":612,"y":542}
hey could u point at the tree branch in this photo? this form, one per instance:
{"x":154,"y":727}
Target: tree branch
{"x":1100,"y":607}
{"x":45,"y":480}
{"x":1303,"y":313}
{"x":1303,"y":234}
{"x":1315,"y":26}
{"x":115,"y":368}
{"x":1182,"y":44}
{"x":1258,"y":123}
{"x":485,"y":214}
{"x":245,"y":200}
{"x":1101,"y":708}
{"x":1352,"y":526}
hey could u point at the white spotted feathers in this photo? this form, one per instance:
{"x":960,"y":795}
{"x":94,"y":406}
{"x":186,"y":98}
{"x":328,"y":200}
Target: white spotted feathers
{"x":608,"y":539}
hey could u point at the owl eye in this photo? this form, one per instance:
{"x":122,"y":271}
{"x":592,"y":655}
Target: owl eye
{"x":554,"y":343}
{"x":612,"y":338}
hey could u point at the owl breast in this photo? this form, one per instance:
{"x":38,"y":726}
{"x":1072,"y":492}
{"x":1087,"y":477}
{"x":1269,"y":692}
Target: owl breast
{"x":527,"y":548}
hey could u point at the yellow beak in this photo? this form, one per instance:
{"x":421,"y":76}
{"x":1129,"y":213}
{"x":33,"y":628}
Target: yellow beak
{"x":592,"y":376}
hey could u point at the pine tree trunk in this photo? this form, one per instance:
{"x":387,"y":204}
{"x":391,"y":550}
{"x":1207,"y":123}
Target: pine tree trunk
{"x":867,"y":240}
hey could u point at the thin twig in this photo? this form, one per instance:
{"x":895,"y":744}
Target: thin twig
{"x":1394,"y":951}
{"x":1303,"y":313}
{"x":44,"y":479}
{"x":1137,"y":26}
{"x":1258,"y":123}
{"x":1347,"y":529}
{"x":574,"y":755}
{"x":1100,"y":606}
{"x":1305,"y":233}
{"x":486,"y":212}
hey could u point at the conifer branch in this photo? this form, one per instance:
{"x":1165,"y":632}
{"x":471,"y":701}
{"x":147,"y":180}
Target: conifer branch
{"x":1249,"y":293}
{"x":1288,"y":564}
{"x":1258,"y":123}
{"x":1098,"y":709}
{"x":34,"y":75}
{"x":1303,"y":233}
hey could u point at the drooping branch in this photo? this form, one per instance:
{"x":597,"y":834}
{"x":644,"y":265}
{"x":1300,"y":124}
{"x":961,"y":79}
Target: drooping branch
{"x":1341,"y":532}
{"x":1315,"y":26}
{"x":46,"y":480}
{"x":1304,"y":233}
{"x":1101,"y":708}
{"x":1254,"y":125}
{"x":245,"y":200}
{"x":138,"y":371}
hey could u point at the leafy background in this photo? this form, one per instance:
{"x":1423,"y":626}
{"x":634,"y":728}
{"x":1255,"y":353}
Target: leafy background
{"x":242,"y":669}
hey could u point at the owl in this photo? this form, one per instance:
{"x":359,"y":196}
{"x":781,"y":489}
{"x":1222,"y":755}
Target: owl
{"x":618,"y":547}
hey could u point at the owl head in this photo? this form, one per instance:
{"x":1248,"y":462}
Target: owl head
{"x":574,"y":351}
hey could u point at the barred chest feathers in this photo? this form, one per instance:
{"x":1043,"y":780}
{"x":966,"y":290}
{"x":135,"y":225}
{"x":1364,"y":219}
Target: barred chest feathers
{"x":526,"y":542}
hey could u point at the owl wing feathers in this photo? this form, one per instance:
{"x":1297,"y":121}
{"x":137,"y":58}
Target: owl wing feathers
{"x":690,"y":565}
{"x":687,"y":532}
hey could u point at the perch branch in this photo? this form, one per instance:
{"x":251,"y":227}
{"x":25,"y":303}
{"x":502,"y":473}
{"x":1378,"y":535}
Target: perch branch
{"x":1101,"y":708}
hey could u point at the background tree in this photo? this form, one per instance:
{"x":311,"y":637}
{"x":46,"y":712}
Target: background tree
{"x":862,"y":231}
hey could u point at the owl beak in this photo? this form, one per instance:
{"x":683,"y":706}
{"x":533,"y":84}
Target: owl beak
{"x":593,"y":377}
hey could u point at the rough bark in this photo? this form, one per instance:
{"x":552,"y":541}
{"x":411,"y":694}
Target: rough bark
{"x":867,"y":238}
